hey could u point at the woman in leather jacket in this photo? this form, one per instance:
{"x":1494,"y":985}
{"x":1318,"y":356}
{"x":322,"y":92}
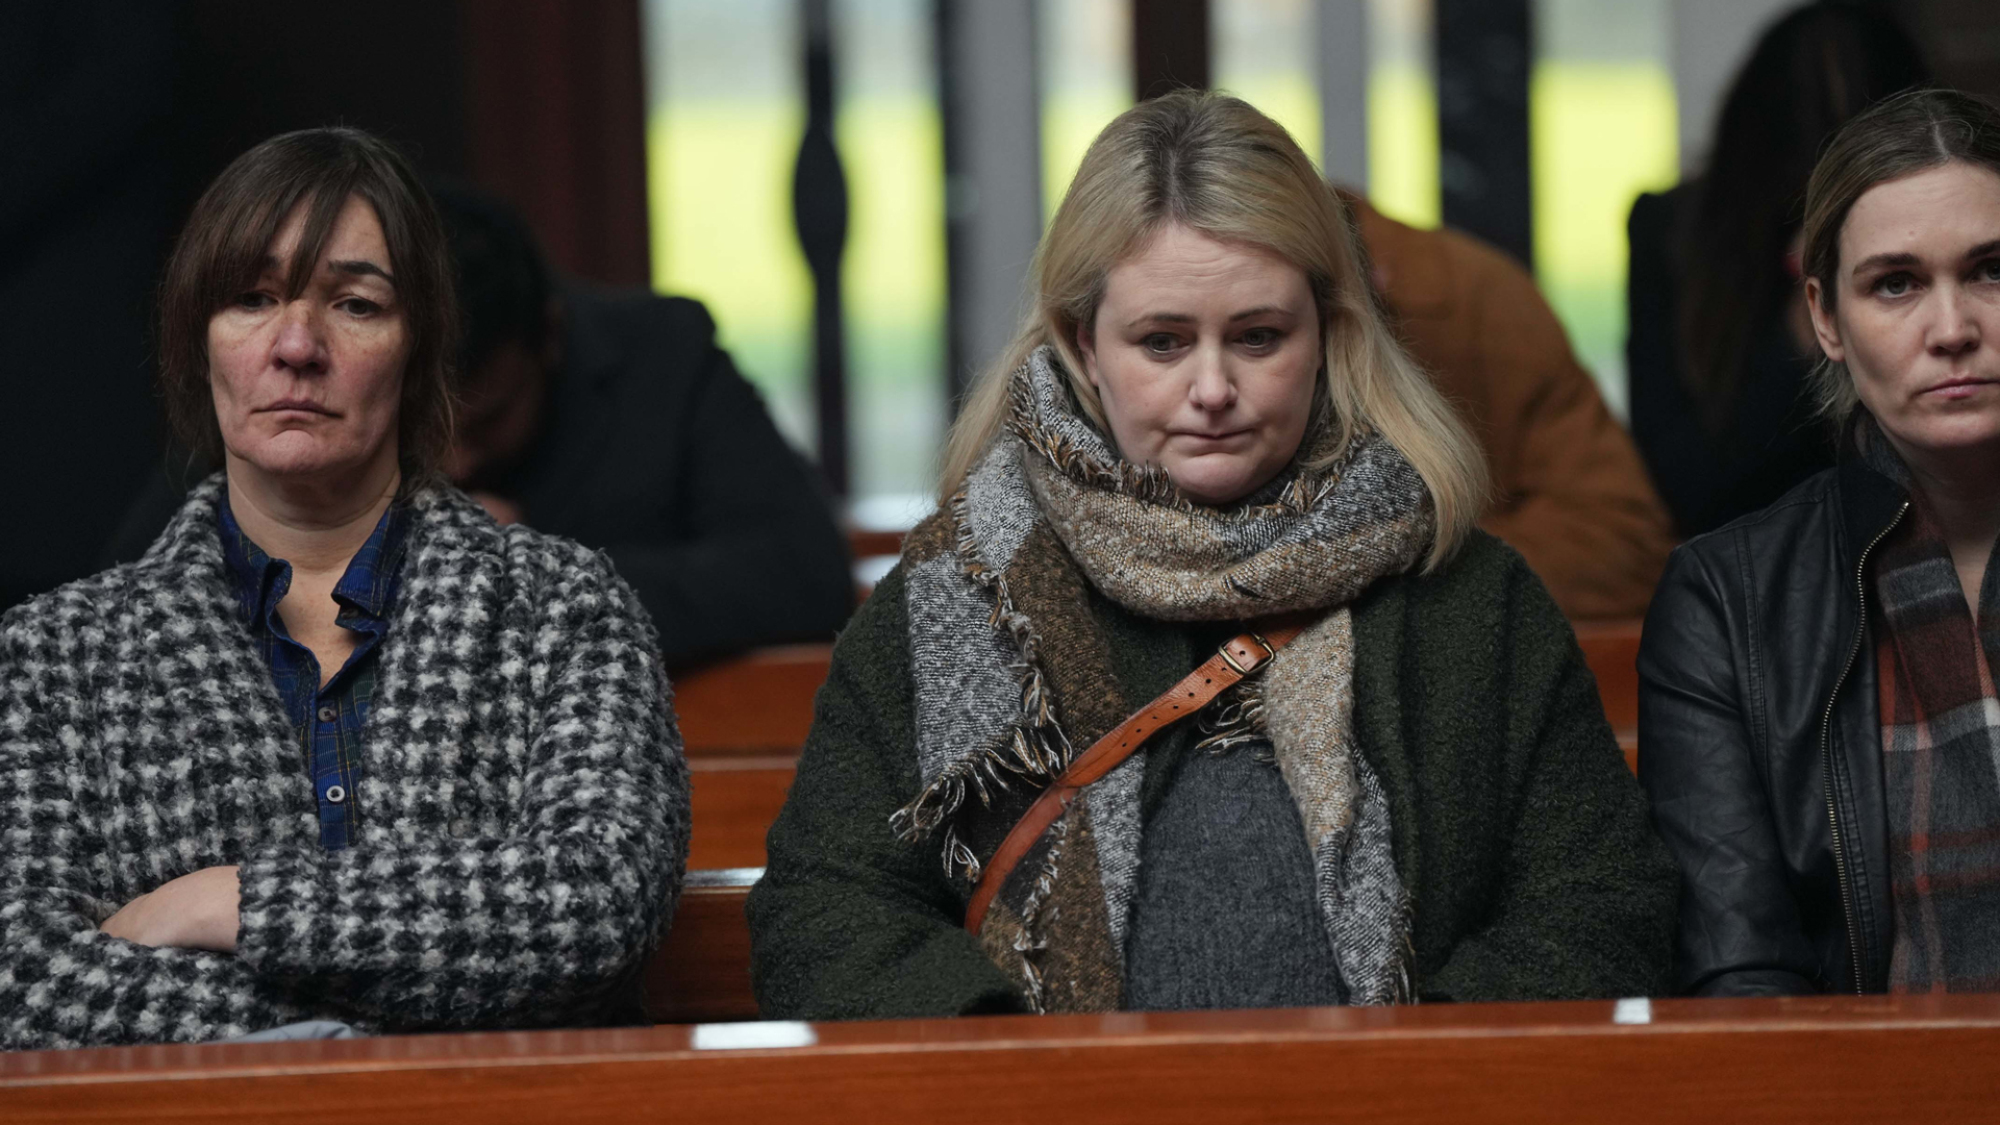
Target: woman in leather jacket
{"x":1817,"y":716}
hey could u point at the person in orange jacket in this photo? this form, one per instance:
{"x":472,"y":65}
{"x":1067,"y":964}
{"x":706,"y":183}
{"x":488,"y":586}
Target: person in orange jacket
{"x":1569,"y":490}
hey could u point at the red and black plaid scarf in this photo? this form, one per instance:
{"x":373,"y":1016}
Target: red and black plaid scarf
{"x":1941,"y":751}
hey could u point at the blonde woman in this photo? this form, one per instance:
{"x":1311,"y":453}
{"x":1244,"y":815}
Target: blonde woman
{"x":1205,"y":431}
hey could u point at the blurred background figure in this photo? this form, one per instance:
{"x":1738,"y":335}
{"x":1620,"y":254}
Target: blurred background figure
{"x":1569,"y":492}
{"x":1720,"y":345}
{"x":609,"y":416}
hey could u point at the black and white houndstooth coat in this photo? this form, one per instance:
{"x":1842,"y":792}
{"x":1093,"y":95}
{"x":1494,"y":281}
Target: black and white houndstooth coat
{"x":524,"y":802}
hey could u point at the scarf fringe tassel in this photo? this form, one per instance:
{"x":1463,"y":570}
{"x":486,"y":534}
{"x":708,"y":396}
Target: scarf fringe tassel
{"x":1034,"y":751}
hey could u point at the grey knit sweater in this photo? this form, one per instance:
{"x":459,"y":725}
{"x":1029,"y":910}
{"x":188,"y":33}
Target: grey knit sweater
{"x":524,"y":809}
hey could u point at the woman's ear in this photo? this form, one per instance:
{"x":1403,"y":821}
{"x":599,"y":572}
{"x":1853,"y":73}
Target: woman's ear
{"x":1086,"y":350}
{"x":1825,"y":328}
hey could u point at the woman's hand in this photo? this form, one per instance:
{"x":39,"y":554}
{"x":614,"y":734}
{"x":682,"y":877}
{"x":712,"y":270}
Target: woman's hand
{"x":195,"y":911}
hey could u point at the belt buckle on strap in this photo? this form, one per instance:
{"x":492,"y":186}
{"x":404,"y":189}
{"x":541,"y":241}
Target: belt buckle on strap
{"x":1229,"y":658}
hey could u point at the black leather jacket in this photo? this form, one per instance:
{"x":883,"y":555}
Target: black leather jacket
{"x":1760,"y":744}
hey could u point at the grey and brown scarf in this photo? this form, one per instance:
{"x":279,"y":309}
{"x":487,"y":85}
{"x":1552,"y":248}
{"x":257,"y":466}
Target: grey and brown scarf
{"x":1941,"y":749}
{"x":1013,"y":677}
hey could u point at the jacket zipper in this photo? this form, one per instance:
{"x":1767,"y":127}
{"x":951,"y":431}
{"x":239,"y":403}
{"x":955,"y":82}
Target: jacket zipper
{"x":1826,"y":750}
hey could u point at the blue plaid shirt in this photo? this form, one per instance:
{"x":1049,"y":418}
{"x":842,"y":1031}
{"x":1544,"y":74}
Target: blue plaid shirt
{"x":327,"y":721}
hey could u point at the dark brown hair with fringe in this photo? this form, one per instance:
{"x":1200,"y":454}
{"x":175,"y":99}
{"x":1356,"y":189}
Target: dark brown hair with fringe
{"x":222,"y":250}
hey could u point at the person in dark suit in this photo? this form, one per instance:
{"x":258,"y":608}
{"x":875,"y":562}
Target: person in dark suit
{"x":613,"y":418}
{"x":87,"y":212}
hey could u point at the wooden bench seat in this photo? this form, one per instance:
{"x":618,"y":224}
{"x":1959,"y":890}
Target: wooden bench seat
{"x":1809,"y":1061}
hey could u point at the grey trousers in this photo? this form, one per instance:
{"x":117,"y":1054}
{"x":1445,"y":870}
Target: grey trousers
{"x":304,"y":1029}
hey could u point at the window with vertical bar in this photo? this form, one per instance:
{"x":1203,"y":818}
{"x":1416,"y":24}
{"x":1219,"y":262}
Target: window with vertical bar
{"x":892,"y":145}
{"x":1085,"y":49}
{"x":1603,"y":128}
{"x":1403,"y":112}
{"x":1264,"y":54}
{"x":726,"y":110}
{"x":724,"y":115}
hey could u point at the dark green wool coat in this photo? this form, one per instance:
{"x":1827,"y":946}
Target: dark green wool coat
{"x":1523,"y":840}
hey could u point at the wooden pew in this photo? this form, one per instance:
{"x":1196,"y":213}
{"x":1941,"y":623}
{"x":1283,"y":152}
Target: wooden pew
{"x":1817,"y":1061}
{"x":744,"y":721}
{"x":735,"y":800}
{"x":1611,"y":648}
{"x":761,"y":704}
{"x":702,"y":971}
{"x":753,"y":706}
{"x":865,"y":543}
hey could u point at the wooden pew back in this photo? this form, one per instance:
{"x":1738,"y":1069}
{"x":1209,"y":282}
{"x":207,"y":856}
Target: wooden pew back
{"x":762,"y":704}
{"x":753,"y":706}
{"x":735,"y":800}
{"x":744,"y":722}
{"x":1611,"y":648}
{"x":701,"y":973}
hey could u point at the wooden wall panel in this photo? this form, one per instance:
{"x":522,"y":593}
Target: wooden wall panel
{"x":556,"y":110}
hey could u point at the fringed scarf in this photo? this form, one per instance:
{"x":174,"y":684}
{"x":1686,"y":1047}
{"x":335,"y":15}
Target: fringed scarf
{"x":1014,"y":677}
{"x":1941,"y":743}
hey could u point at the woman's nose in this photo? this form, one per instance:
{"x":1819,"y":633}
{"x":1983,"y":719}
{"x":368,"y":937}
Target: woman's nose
{"x":1956,"y":329}
{"x":1212,"y":388}
{"x":299,"y":346}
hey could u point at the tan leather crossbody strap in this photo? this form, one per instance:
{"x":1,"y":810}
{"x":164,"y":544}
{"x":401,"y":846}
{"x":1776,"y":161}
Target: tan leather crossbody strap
{"x":1242,"y":656}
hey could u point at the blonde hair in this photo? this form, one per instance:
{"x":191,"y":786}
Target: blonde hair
{"x":1214,"y":164}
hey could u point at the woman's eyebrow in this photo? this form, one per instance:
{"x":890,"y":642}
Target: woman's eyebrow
{"x":361,"y":267}
{"x":1984,"y":249}
{"x":1885,"y":261}
{"x":1260,"y":310}
{"x":1905,"y":259}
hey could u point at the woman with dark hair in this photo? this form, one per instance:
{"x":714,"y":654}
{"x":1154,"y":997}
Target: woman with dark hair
{"x":1817,"y":707}
{"x":1719,"y":345}
{"x":339,"y":746}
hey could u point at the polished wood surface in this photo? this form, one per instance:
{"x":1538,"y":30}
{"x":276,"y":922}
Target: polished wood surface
{"x":1817,"y":1061}
{"x":735,"y":800}
{"x":702,"y":971}
{"x":1611,"y":648}
{"x":864,"y":543}
{"x":744,"y":722}
{"x":755,"y":705}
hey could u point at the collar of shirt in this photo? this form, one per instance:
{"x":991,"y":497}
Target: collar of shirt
{"x":366,"y":590}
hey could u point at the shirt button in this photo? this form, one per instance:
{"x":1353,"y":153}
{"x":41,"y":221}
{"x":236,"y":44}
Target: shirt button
{"x":335,"y":794}
{"x":328,"y":714}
